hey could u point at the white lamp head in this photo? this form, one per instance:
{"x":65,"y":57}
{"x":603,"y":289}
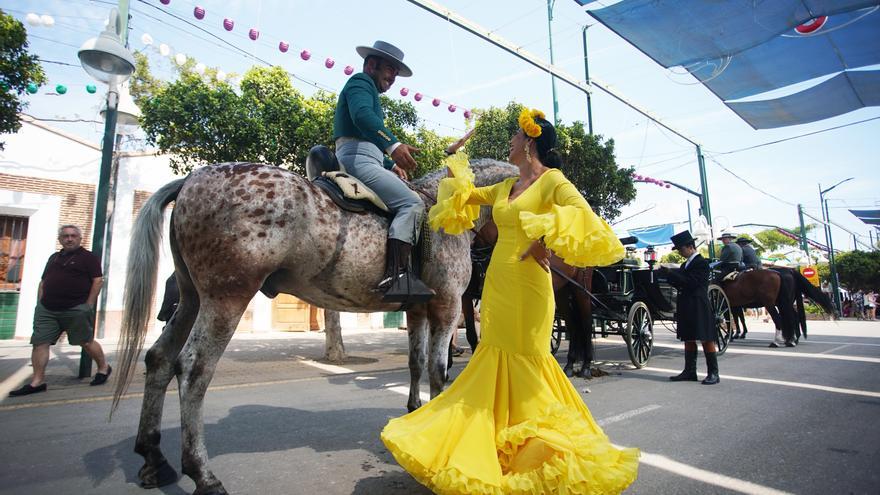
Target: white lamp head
{"x":105,"y":57}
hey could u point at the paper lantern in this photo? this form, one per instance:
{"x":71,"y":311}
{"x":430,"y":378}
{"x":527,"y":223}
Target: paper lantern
{"x":164,"y":2}
{"x":180,"y":58}
{"x":221,"y":75}
{"x":305,"y":54}
{"x":668,"y":186}
{"x":283,"y":46}
{"x":228,"y":24}
{"x":348,"y":70}
{"x":436,"y":102}
{"x":33,"y":19}
{"x":329,"y":63}
{"x":32,"y":88}
{"x":91,"y":88}
{"x":199,"y":13}
{"x":253,"y":34}
{"x":451,"y":108}
{"x":146,"y":39}
{"x":47,"y":20}
{"x":200,"y":68}
{"x":418,"y":97}
{"x":467,"y":114}
{"x":60,"y":89}
{"x":164,"y":50}
{"x":404,"y":91}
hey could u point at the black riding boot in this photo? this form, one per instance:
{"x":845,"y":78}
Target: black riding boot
{"x":399,"y":284}
{"x":712,"y":363}
{"x":690,"y":368}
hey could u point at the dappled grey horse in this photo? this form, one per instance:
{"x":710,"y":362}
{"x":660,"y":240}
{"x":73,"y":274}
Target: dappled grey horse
{"x":237,"y":227}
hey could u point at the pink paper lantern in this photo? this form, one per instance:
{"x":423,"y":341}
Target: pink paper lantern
{"x":404,"y":91}
{"x":661,"y":183}
{"x":348,"y":70}
{"x":329,"y":63}
{"x":199,"y":12}
{"x":228,"y":24}
{"x":418,"y":97}
{"x":451,"y":108}
{"x":637,"y":177}
{"x":305,"y":54}
{"x":283,"y":46}
{"x":467,"y":114}
{"x":253,"y":34}
{"x":165,"y":2}
{"x":436,"y":102}
{"x":668,"y":186}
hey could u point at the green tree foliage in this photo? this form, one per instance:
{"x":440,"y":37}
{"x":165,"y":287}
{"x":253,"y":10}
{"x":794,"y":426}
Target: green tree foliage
{"x":672,"y":257}
{"x":18,"y":69}
{"x":588,"y":161}
{"x":197,"y":119}
{"x":859,"y":269}
{"x":772,"y":240}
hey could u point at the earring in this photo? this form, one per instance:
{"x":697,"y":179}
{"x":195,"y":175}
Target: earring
{"x":528,"y":154}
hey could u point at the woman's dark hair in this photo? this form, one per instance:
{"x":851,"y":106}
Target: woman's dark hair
{"x":546,"y":145}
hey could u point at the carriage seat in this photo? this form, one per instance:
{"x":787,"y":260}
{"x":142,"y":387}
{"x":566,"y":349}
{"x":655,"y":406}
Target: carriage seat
{"x":347,"y":192}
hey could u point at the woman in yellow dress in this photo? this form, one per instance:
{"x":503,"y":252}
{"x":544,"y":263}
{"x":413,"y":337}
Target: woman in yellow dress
{"x":512,"y":422}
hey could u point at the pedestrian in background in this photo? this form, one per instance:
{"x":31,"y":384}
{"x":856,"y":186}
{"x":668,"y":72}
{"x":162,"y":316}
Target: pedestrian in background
{"x":66,"y":300}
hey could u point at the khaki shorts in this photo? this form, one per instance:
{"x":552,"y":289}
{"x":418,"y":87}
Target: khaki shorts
{"x":76,"y":321}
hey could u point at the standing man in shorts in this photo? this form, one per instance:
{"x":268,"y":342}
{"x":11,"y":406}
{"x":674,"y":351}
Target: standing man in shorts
{"x":66,"y":302}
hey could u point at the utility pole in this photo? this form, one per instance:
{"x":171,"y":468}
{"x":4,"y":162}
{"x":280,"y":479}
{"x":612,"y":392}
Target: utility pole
{"x":804,"y":245}
{"x":704,"y":199}
{"x":823,"y":206}
{"x":552,"y":77}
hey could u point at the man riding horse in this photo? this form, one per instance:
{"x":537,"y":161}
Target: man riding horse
{"x":730,"y":259}
{"x":361,"y":140}
{"x":749,"y":256}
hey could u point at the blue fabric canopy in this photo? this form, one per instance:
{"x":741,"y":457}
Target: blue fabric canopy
{"x":742,"y":48}
{"x":683,"y":32}
{"x":842,"y":93}
{"x":845,"y":41}
{"x":653,"y":236}
{"x":870,"y":217}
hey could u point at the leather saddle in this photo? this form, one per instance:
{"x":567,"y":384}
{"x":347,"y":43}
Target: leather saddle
{"x":325,"y":172}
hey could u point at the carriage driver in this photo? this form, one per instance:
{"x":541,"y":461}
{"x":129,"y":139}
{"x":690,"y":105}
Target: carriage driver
{"x":369,"y":151}
{"x":730,"y":259}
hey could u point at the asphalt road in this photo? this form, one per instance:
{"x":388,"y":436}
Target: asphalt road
{"x":278,"y":421}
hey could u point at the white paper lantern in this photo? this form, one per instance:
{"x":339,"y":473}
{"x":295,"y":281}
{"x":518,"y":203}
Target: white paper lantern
{"x":146,"y":39}
{"x":180,"y":58}
{"x":164,"y":50}
{"x":221,"y":76}
{"x":200,"y":68}
{"x":47,"y":20}
{"x":33,"y":19}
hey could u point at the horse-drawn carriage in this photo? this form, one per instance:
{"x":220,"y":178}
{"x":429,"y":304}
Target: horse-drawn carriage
{"x":627,"y":300}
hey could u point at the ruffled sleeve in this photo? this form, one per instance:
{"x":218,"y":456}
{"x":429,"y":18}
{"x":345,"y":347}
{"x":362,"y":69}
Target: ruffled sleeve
{"x":457,"y":199}
{"x":572,"y":230}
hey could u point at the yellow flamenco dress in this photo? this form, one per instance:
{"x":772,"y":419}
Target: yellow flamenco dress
{"x":512,"y":422}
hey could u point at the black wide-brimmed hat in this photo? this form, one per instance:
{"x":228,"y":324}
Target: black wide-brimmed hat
{"x":743,"y":240}
{"x":388,"y":52}
{"x":682,"y":238}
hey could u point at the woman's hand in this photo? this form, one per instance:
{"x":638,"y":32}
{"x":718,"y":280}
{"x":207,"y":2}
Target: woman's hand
{"x":453,"y":148}
{"x":541,"y":254}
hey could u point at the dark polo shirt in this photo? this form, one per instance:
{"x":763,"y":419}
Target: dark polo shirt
{"x":67,"y":279}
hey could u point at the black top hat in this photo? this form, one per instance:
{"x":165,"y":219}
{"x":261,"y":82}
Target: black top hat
{"x":743,"y":240}
{"x":388,"y":52}
{"x":682,"y":238}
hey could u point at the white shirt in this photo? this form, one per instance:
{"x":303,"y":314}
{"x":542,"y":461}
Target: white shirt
{"x":691,"y":257}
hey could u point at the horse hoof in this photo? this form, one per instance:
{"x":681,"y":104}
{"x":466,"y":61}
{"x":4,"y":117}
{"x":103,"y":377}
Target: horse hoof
{"x":790,"y":344}
{"x":568,"y":370}
{"x":412,"y":407}
{"x":156,"y":476}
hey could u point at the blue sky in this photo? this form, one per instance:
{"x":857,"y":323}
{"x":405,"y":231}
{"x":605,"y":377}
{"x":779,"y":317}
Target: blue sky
{"x":461,"y":69}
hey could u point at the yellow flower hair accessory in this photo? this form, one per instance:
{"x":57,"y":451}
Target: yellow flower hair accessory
{"x":527,"y":122}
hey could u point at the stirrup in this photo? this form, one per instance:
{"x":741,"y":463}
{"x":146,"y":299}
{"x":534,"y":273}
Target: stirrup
{"x":406,"y":288}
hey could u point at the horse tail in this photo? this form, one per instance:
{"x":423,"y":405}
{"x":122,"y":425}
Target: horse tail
{"x":813,"y":292}
{"x":801,"y":313}
{"x":140,"y":283}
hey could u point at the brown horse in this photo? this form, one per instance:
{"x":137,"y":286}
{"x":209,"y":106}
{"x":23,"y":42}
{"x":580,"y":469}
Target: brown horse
{"x":237,"y":227}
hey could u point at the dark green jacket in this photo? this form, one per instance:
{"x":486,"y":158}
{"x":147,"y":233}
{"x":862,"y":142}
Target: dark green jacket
{"x":359,"y":115}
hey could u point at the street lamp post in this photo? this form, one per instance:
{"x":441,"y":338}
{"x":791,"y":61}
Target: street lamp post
{"x":108,"y":60}
{"x":823,"y":206}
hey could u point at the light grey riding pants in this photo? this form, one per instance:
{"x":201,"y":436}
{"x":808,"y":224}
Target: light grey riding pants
{"x":363,"y":160}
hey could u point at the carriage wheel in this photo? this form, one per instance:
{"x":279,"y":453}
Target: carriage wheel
{"x":556,"y":334}
{"x":639,"y":334}
{"x":723,"y":317}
